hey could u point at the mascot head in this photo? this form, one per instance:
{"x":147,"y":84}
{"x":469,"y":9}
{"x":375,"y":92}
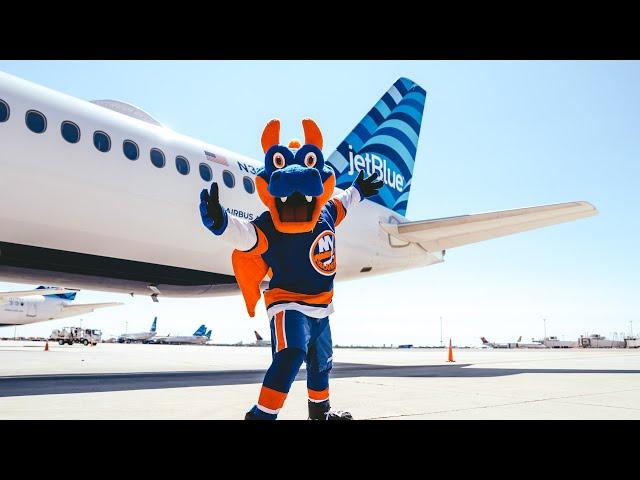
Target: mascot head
{"x":295,"y":183}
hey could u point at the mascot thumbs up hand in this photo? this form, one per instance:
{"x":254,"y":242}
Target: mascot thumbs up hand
{"x":211,"y":211}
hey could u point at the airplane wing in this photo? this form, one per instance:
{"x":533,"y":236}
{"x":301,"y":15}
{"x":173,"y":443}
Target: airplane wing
{"x":39,"y":291}
{"x":444,"y":233}
{"x":87,"y":307}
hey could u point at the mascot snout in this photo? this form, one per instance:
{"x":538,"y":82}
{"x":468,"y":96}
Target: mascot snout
{"x":295,"y":178}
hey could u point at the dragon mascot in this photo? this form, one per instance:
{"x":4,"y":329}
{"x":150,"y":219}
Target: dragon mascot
{"x":293,"y":243}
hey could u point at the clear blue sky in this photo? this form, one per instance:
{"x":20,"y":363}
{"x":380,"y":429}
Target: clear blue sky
{"x":495,"y":135}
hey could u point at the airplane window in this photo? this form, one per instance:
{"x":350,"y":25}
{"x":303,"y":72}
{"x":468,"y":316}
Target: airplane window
{"x":157,"y":157}
{"x":4,"y":111}
{"x":229,"y":179}
{"x":182,"y":164}
{"x":70,"y":132}
{"x":248,"y":185}
{"x":205,"y":172}
{"x":130,"y":150}
{"x":36,"y":122}
{"x":102,"y":141}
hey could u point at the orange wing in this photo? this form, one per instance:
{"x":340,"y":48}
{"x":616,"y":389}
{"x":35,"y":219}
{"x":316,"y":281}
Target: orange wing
{"x":249,"y":269}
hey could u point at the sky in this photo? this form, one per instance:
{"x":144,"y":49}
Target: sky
{"x":495,"y":135}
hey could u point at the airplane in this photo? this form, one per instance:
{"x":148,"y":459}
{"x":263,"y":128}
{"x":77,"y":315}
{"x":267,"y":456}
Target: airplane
{"x":533,"y":344}
{"x":487,"y":344}
{"x":261,"y":341}
{"x":134,"y":186}
{"x":42,"y":304}
{"x":517,"y":344}
{"x":199,"y":337}
{"x":139,"y":337}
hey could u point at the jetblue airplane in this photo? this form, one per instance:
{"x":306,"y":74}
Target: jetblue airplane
{"x":199,"y":337}
{"x":141,"y":336}
{"x":41,"y":304}
{"x":100,"y":195}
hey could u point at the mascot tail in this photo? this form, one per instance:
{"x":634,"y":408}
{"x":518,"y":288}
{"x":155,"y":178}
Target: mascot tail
{"x":385,"y":141}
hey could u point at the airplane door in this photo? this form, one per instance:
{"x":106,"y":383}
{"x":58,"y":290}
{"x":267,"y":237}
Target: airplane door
{"x":32,"y":309}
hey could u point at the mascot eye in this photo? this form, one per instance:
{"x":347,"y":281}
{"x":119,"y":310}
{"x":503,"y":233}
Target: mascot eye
{"x":278,"y":160}
{"x":310,"y":159}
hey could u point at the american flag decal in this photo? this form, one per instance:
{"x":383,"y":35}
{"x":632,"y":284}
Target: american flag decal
{"x":212,"y":157}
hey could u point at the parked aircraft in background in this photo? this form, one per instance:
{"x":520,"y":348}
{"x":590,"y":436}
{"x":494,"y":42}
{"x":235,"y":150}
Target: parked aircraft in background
{"x":139,"y":337}
{"x":199,"y":337}
{"x":516,"y":344}
{"x":261,"y":341}
{"x":487,"y":344}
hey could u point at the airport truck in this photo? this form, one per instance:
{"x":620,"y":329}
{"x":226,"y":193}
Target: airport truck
{"x":632,"y":342}
{"x":71,"y":335}
{"x":599,"y":341}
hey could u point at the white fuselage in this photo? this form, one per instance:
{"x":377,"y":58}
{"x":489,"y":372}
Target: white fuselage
{"x":531,"y":345}
{"x":35,"y":308}
{"x":105,"y":222}
{"x":192,"y":339}
{"x":137,"y":337}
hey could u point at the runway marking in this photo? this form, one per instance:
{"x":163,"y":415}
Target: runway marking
{"x":599,"y":405}
{"x":523,"y":402}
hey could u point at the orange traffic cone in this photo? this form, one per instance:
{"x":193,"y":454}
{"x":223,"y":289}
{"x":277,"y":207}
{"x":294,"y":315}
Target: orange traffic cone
{"x":450,"y":353}
{"x":46,"y":346}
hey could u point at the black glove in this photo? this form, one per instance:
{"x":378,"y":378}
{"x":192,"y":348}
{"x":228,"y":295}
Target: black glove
{"x":210,"y":208}
{"x":367,"y":186}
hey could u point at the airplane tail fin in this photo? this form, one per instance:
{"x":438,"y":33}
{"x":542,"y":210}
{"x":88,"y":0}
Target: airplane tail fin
{"x":385,"y":143}
{"x":71,"y":296}
{"x":200,"y":331}
{"x":208,"y":335}
{"x":153,"y":325}
{"x":258,"y":336}
{"x":484,"y":340}
{"x":519,"y":338}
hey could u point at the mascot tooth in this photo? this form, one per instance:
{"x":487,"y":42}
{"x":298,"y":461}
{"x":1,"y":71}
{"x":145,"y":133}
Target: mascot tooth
{"x":293,"y":243}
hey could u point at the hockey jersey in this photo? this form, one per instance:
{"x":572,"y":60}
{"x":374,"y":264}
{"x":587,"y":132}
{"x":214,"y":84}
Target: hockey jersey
{"x":301,"y":266}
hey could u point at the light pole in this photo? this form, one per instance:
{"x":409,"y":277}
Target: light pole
{"x":441,"y":346}
{"x":544,"y":320}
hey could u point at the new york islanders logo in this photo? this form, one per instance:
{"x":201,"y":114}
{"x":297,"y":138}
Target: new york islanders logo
{"x":323,"y":253}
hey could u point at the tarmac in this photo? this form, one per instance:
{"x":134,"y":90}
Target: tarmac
{"x":120,"y":381}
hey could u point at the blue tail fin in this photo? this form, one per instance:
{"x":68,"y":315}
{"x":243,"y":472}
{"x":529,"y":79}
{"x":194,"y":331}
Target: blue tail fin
{"x":153,"y":325}
{"x":200,"y":331}
{"x":385,"y":142}
{"x":208,"y":335}
{"x":65,"y":296}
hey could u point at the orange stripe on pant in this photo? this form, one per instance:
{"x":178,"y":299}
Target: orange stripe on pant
{"x":271,"y":400}
{"x":316,"y":396}
{"x":281,"y":337}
